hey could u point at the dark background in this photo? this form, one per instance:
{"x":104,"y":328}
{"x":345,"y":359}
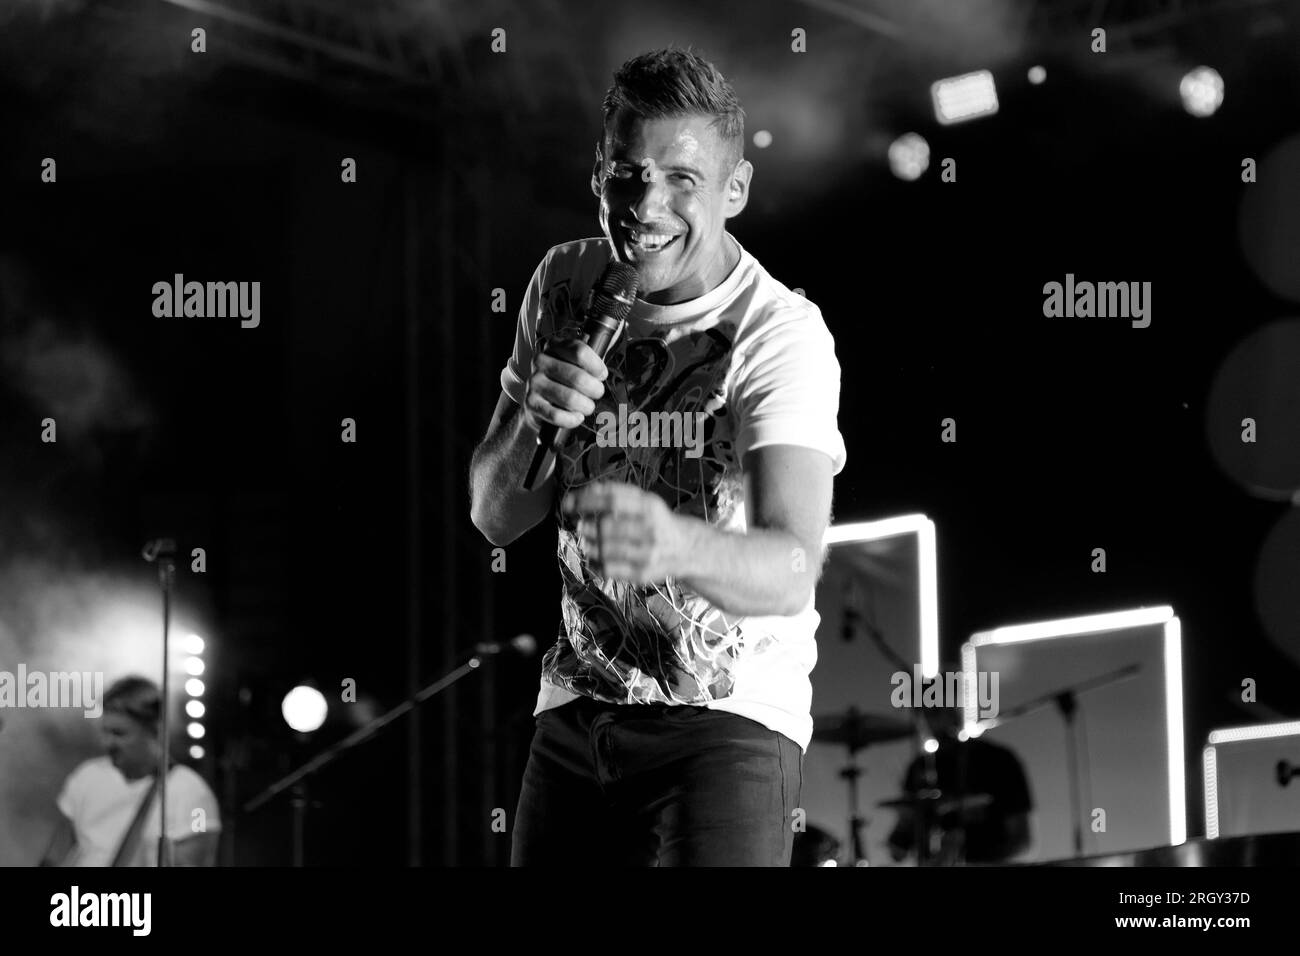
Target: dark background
{"x":329,"y":561}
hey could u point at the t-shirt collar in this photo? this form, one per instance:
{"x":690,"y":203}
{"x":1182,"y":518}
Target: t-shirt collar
{"x":645,"y":313}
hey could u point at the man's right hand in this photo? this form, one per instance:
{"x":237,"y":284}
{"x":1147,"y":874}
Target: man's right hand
{"x":566,"y":380}
{"x":561,"y":390}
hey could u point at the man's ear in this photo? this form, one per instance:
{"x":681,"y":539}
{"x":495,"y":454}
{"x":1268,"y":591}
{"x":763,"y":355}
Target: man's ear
{"x":738,"y":188}
{"x":595,"y":172}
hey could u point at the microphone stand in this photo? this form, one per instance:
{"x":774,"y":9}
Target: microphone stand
{"x":929,"y":765}
{"x":162,"y":551}
{"x":297,"y":778}
{"x":1066,"y":701}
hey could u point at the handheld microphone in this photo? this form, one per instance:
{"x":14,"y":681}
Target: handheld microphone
{"x":611,"y":300}
{"x":158,"y":548}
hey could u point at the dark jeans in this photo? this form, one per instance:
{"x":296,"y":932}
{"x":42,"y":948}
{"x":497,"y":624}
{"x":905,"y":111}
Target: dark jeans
{"x":655,"y":785}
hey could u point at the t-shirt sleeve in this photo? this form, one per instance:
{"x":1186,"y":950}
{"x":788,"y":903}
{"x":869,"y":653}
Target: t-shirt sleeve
{"x":788,"y":389}
{"x":520,"y":364}
{"x":69,"y":800}
{"x":189,"y":793}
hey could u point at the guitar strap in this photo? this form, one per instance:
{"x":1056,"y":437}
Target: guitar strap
{"x":131,"y":840}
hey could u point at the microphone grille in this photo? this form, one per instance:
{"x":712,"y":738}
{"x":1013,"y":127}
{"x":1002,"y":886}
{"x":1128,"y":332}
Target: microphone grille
{"x":617,"y":290}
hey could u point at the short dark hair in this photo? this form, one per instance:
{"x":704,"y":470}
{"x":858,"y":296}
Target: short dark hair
{"x":673,"y":82}
{"x":137,"y":698}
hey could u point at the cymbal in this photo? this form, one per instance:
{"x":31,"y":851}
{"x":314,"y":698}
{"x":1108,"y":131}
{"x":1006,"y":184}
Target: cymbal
{"x":856,"y":730}
{"x":939,"y":804}
{"x":1260,"y":849}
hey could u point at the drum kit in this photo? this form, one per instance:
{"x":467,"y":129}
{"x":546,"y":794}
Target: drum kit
{"x":940,"y":816}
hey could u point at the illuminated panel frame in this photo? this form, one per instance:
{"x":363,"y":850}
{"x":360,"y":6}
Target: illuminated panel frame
{"x":1095,"y":624}
{"x":927,"y":558}
{"x":1210,"y":763}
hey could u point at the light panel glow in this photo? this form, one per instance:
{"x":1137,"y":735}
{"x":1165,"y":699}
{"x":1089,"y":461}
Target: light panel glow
{"x":927,"y":556}
{"x":1175,"y":770}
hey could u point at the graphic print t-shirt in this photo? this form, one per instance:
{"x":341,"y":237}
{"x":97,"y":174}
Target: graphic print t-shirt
{"x":745,"y":365}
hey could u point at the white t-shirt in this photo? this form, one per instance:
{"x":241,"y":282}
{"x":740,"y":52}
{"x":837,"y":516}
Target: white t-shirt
{"x":757,"y":362}
{"x":101,"y":803}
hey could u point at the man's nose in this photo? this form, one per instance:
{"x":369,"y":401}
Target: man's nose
{"x":654,"y":198}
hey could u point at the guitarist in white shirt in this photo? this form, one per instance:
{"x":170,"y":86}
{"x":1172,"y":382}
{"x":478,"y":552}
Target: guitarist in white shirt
{"x":106,"y":820}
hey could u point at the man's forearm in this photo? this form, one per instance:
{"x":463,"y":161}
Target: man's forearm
{"x":759,"y":572}
{"x":500,"y":506}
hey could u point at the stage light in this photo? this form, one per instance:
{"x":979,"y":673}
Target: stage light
{"x":194,"y":687}
{"x":909,"y":156}
{"x":931,"y":745}
{"x":1259,"y":732}
{"x":195,"y":708}
{"x":193,"y":644}
{"x":196,"y":752}
{"x":762,"y":139}
{"x":1100,"y":623}
{"x":195,"y":730}
{"x":828,"y":863}
{"x":194,"y":665}
{"x":1174,"y":729}
{"x":1202,"y":91}
{"x":1037,"y":75}
{"x":1210,"y":781}
{"x":1088,"y":624}
{"x":1210,"y":762}
{"x":928,"y":559}
{"x":304,"y":709}
{"x":964,"y":97}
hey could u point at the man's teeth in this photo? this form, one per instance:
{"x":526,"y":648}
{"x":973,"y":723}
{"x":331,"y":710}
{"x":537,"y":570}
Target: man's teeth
{"x":651,"y":241}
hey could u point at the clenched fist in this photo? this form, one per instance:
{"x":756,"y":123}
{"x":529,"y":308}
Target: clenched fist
{"x":628,"y":534}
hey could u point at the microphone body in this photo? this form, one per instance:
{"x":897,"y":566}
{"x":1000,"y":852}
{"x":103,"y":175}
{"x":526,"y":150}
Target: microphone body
{"x":611,"y":301}
{"x":158,"y":548}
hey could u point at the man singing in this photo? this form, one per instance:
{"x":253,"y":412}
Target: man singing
{"x":674,"y":708}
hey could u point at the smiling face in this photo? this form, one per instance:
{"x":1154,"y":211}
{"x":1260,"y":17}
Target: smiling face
{"x":667,"y":188}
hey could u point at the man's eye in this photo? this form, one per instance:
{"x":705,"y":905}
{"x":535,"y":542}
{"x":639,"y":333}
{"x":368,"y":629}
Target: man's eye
{"x":684,"y":179}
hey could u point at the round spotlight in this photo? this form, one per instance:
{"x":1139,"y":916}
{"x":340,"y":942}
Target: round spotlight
{"x":1202,"y":91}
{"x":195,"y":708}
{"x":909,"y":156}
{"x":193,"y":644}
{"x":196,"y":752}
{"x":1037,"y":75}
{"x":194,"y":687}
{"x":194,"y":665}
{"x":195,"y":730}
{"x":762,"y":139}
{"x":304,"y":709}
{"x":931,"y":745}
